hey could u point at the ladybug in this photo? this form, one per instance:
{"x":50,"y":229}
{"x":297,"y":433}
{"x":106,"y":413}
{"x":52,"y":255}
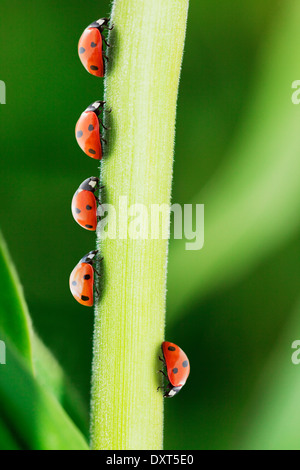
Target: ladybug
{"x":82,"y":280}
{"x":87,"y":130}
{"x":90,"y":47}
{"x":177,"y":366}
{"x":84,"y":204}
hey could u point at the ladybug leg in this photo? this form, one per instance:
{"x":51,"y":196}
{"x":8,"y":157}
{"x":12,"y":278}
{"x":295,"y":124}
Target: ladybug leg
{"x":163,"y":373}
{"x":108,"y":111}
{"x":104,"y":40}
{"x":167,"y":390}
{"x":105,"y":57}
{"x":98,"y":187}
{"x":102,"y":106}
{"x":108,"y":28}
{"x":106,"y":128}
{"x":161,"y":359}
{"x":98,"y":274}
{"x":97,"y":290}
{"x":103,"y":140}
{"x":99,"y":203}
{"x":100,"y":216}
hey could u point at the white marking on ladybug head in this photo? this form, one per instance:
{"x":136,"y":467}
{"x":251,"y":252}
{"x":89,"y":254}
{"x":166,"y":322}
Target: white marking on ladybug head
{"x":101,"y":21}
{"x":96,"y":105}
{"x":171,"y":393}
{"x":92,"y":183}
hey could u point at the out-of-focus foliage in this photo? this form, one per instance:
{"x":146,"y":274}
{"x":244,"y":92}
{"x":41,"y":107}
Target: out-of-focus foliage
{"x":275,"y":421}
{"x":32,"y":413}
{"x":253,"y":199}
{"x":32,"y":385}
{"x":15,"y":320}
{"x":237,"y":151}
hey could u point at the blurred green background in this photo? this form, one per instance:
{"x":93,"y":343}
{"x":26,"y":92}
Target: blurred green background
{"x":233,"y":306}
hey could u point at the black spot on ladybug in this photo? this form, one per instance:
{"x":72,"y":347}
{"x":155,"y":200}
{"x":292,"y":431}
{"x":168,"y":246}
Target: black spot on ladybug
{"x":93,"y":44}
{"x":93,"y":152}
{"x":74,"y":283}
{"x":79,"y":134}
{"x":185,"y":363}
{"x":81,"y":50}
{"x":77,"y":210}
{"x":171,"y":348}
{"x":175,"y":370}
{"x":88,"y":226}
{"x":94,"y":67}
{"x":91,"y":127}
{"x":88,"y":208}
{"x":85,"y":298}
{"x":86,"y":277}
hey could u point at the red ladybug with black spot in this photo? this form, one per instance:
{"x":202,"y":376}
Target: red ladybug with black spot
{"x":177,"y":366}
{"x":84,"y":204}
{"x":87,"y":130}
{"x":82,"y":280}
{"x":91,"y":47}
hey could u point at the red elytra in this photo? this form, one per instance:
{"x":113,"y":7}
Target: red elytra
{"x":84,"y":204}
{"x":82,"y":280}
{"x":90,"y":50}
{"x":177,"y":366}
{"x":90,"y":47}
{"x":87,"y":130}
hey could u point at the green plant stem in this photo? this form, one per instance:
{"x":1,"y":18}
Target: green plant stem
{"x":141,"y":88}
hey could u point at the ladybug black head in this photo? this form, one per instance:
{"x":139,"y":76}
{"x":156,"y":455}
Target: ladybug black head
{"x":171,"y":392}
{"x":89,"y":258}
{"x":100,"y":24}
{"x":90,"y":184}
{"x":96,"y":107}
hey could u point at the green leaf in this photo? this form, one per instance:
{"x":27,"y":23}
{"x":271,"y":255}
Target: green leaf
{"x":32,"y":412}
{"x":50,"y":374}
{"x":14,"y":317}
{"x":16,"y":325}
